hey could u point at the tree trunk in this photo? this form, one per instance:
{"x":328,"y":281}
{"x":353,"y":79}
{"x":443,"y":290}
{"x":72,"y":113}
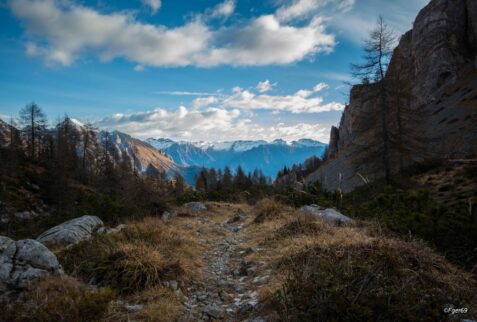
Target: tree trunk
{"x":32,"y":132}
{"x":400,"y":140}
{"x":384,"y":112}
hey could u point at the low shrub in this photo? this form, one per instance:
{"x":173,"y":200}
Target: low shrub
{"x":450,"y":229}
{"x":312,"y":194}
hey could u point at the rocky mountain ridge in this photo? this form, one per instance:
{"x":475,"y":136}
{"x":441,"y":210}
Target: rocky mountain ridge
{"x":433,"y":70}
{"x":121,"y":147}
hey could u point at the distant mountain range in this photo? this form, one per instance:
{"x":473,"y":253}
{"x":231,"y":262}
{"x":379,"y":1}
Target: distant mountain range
{"x":188,"y":158}
{"x":122,"y":147}
{"x":269,"y":157}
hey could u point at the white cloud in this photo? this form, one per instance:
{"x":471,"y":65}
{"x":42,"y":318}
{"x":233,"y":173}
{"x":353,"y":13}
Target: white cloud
{"x":31,"y":49}
{"x":301,"y":9}
{"x":138,"y":68}
{"x":300,"y":102}
{"x":355,"y":24}
{"x":319,"y":87}
{"x":154,"y":5}
{"x":224,"y":9}
{"x":68,"y":31}
{"x":265,"y":86}
{"x":265,"y":41}
{"x":71,"y":30}
{"x":342,"y":77}
{"x":207,"y":125}
{"x":186,"y":93}
{"x":181,"y":123}
{"x":303,"y":101}
{"x":204,"y":101}
{"x":231,"y":117}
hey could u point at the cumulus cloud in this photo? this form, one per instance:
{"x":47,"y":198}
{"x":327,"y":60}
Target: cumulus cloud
{"x":204,"y":101}
{"x":207,"y":125}
{"x":224,"y":9}
{"x":65,"y":32}
{"x":265,"y":41}
{"x":181,"y":123}
{"x":230,"y":117}
{"x":302,"y":101}
{"x":265,"y":86}
{"x":154,"y":5}
{"x":71,"y":30}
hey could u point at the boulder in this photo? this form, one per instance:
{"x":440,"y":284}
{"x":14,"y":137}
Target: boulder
{"x":72,"y":232}
{"x":107,"y":231}
{"x":195,"y":206}
{"x":24,"y":261}
{"x":329,"y":215}
{"x":214,"y":311}
{"x":167,"y":216}
{"x":25,"y":215}
{"x":133,"y":308}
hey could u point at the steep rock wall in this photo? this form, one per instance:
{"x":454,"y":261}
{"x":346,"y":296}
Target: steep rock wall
{"x":434,"y":68}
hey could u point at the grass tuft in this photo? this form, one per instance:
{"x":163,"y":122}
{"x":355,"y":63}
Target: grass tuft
{"x":302,"y":224}
{"x":267,"y":209}
{"x":139,"y":257}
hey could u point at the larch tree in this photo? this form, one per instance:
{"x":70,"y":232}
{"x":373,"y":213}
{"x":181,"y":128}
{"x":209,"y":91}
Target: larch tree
{"x":88,"y":137}
{"x":227,"y":179}
{"x":34,"y":122}
{"x":378,"y":49}
{"x":180,"y":185}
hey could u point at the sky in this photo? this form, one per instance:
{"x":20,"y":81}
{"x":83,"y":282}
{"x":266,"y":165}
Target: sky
{"x":194,"y":70}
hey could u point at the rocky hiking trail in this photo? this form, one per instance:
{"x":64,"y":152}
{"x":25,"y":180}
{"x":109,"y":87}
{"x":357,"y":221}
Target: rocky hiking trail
{"x":228,"y":290}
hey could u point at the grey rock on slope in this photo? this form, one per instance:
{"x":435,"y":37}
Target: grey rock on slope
{"x":195,"y":206}
{"x":72,"y":232}
{"x":329,"y":215}
{"x":24,"y":261}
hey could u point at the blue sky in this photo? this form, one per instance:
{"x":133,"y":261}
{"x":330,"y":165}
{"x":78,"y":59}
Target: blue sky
{"x":191,"y":69}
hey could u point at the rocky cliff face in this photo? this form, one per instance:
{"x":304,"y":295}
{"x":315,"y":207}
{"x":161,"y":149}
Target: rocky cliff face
{"x":5,"y":133}
{"x":140,"y":155}
{"x":433,"y":75}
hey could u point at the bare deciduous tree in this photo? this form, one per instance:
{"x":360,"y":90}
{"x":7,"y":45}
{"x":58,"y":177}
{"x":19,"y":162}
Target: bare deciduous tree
{"x":377,"y":53}
{"x":34,"y":124}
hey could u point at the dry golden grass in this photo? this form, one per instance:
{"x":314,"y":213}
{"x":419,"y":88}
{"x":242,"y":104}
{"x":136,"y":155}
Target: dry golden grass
{"x":449,"y":183}
{"x":324,"y":272}
{"x":141,"y":256}
{"x":148,"y":252}
{"x":268,"y":209}
{"x":159,"y":304}
{"x":302,"y":224}
{"x":318,"y":272}
{"x":62,"y":299}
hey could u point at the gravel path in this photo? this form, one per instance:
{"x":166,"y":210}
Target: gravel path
{"x":227,"y":293}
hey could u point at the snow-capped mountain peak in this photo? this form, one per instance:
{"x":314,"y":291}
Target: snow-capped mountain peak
{"x":161,"y":143}
{"x":251,"y":155}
